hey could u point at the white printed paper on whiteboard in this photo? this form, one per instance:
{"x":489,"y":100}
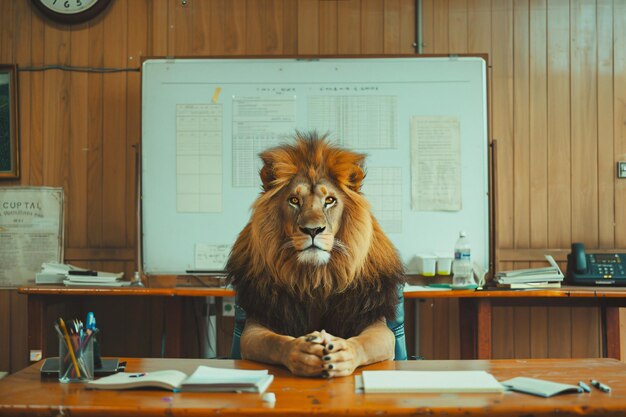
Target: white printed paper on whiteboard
{"x":211,"y":257}
{"x":258,"y":124}
{"x":435,"y":163}
{"x":199,"y":158}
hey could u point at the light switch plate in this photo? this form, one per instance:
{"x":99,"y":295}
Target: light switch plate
{"x":621,"y":169}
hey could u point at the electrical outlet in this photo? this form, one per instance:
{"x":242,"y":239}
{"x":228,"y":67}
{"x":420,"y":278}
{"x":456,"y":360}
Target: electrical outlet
{"x":228,"y":307}
{"x":621,"y":169}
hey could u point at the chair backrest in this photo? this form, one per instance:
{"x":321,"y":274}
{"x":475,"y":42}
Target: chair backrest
{"x":396,"y":326}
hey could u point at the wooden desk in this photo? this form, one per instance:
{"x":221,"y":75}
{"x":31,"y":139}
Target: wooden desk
{"x":475,"y":310}
{"x":24,"y":393}
{"x":41,"y":296}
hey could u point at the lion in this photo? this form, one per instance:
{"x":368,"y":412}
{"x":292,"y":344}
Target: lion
{"x":313,"y":257}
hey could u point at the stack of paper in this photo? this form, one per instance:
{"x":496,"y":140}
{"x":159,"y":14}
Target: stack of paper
{"x":56,"y":273}
{"x":548,"y":277}
{"x":429,"y":381}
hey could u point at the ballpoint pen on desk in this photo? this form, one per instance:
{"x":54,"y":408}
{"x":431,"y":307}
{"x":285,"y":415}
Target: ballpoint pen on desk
{"x":599,"y":385}
{"x":584,"y":386}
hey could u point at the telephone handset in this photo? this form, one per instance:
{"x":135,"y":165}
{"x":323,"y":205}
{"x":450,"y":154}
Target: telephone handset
{"x":595,"y":268}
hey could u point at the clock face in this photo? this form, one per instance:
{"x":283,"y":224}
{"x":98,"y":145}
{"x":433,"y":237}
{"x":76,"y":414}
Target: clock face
{"x":69,"y":6}
{"x":70,"y":11}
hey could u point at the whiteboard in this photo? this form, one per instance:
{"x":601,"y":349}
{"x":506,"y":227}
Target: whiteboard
{"x":204,"y":121}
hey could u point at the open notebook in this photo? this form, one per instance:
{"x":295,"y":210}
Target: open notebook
{"x":429,"y":381}
{"x":204,"y":379}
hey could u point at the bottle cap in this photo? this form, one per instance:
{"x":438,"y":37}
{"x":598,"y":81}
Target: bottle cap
{"x":462,"y":233}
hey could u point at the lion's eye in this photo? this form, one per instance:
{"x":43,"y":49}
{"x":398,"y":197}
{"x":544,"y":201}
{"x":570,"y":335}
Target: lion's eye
{"x":329,"y":201}
{"x":294,"y":201}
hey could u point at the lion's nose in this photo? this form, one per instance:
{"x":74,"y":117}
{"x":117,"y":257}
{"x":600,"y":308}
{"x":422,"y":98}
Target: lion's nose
{"x":312,"y":231}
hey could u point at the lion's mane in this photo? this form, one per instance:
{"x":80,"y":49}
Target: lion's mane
{"x":357,"y":286}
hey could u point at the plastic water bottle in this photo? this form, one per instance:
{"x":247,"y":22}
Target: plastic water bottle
{"x":462,"y":266}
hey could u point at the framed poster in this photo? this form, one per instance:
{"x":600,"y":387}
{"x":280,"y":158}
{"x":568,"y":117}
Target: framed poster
{"x":31,"y":232}
{"x":9,"y":142}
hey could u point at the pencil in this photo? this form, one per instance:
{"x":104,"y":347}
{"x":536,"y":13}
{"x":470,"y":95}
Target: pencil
{"x":69,"y":345}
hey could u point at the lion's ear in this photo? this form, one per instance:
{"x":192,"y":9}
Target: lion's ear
{"x":356,"y":178}
{"x":267,"y":174}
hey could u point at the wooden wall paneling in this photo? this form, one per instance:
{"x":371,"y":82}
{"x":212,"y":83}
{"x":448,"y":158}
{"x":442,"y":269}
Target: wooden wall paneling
{"x":5,"y":330}
{"x":234,"y":26}
{"x":503,"y":123}
{"x":584,"y":123}
{"x":183,"y":31}
{"x":216,"y":27}
{"x":559,"y":160}
{"x":586,"y":332}
{"x":440,"y":27}
{"x":457,"y":24}
{"x":538,"y":130}
{"x":379,"y":26}
{"x":19,"y":338}
{"x":427,"y":329}
{"x":606,"y":168}
{"x":201,"y":23}
{"x":310,"y":27}
{"x":408,"y":38}
{"x":327,"y":28}
{"x":538,"y":332}
{"x":22,"y":41}
{"x":559,"y":332}
{"x":23,"y":52}
{"x":619,"y":126}
{"x":522,"y":332}
{"x":521,"y":126}
{"x":114,"y":129}
{"x":56,"y":108}
{"x":502,"y":332}
{"x":95,"y":119}
{"x":158,"y":27}
{"x":264,"y":28}
{"x":479,"y":28}
{"x":428,"y":27}
{"x":348,"y":27}
{"x":35,"y":161}
{"x":137,"y":47}
{"x":7,"y":33}
{"x":76,"y":193}
{"x":290,"y":27}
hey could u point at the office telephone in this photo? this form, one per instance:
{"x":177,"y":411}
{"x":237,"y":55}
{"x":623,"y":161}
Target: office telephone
{"x":595,"y":268}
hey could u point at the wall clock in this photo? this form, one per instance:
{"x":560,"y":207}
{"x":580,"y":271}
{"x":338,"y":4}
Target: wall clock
{"x":71,"y":11}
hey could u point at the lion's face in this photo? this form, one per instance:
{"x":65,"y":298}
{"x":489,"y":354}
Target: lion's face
{"x":313,"y":215}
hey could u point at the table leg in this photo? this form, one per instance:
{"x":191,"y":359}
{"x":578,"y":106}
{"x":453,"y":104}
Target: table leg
{"x":611,"y":332}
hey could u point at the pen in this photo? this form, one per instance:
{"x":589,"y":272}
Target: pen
{"x":599,"y":385}
{"x":584,"y":386}
{"x":69,"y":345}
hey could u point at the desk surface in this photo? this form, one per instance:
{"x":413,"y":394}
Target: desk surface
{"x":24,"y":393}
{"x":566,"y":291}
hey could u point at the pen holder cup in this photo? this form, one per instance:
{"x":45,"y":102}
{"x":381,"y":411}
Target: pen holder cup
{"x":76,"y":362}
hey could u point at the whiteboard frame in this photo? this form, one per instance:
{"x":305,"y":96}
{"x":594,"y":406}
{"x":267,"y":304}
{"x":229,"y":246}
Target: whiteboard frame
{"x":488,"y":218}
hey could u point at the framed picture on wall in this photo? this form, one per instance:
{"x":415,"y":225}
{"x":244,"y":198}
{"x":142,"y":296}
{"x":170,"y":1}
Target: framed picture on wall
{"x":9,"y":132}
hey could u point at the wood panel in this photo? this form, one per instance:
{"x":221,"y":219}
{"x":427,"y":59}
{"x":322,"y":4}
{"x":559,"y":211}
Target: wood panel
{"x":557,"y":89}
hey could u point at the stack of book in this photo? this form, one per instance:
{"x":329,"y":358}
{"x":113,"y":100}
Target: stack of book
{"x":548,"y":277}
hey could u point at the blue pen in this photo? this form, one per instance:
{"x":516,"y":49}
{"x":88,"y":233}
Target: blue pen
{"x":584,"y":386}
{"x":91,"y":322}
